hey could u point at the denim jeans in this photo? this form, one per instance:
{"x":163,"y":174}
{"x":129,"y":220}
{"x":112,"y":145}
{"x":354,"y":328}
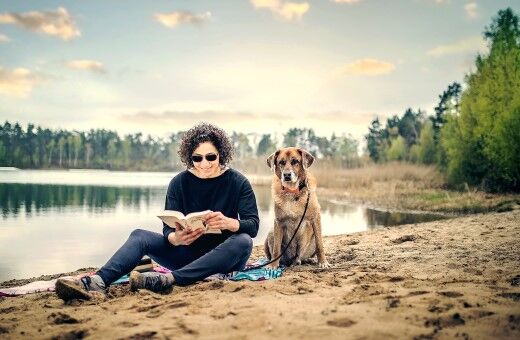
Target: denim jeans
{"x":206,"y":256}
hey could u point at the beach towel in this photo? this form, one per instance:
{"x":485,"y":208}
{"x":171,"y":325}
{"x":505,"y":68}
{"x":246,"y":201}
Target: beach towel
{"x":259,"y":274}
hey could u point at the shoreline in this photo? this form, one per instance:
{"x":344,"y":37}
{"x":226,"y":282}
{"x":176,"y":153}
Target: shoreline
{"x":443,"y":279}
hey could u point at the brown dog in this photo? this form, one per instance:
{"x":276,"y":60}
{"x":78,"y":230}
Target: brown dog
{"x":290,"y":187}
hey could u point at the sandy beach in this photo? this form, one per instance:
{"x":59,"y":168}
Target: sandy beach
{"x":456,"y":278}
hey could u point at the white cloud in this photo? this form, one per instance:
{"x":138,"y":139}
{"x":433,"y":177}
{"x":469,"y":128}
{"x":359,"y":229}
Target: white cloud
{"x":18,"y":82}
{"x":58,"y":23}
{"x":369,"y":67}
{"x":174,"y":19}
{"x":473,"y":44}
{"x":4,"y":38}
{"x":286,"y":10}
{"x":471,"y":10}
{"x":90,"y":65}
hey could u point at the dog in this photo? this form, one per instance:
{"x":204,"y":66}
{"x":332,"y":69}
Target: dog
{"x":291,"y":184}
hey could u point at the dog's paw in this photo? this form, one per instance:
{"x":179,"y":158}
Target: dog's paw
{"x":324,"y":265}
{"x":272,"y":266}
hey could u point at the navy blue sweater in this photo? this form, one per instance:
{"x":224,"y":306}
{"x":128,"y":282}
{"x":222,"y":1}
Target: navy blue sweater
{"x":230,"y":193}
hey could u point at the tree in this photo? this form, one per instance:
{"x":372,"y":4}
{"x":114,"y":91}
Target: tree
{"x":374,"y":140}
{"x":397,"y":150}
{"x":266,"y":146}
{"x":482,"y":143}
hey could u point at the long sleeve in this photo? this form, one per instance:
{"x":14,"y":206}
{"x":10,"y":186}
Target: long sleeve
{"x":248,"y":211}
{"x":171,"y":203}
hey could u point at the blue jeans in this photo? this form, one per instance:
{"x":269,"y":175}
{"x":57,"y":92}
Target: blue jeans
{"x":206,"y":256}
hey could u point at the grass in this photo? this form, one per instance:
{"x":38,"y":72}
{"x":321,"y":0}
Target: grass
{"x":411,"y":187}
{"x":396,"y":185}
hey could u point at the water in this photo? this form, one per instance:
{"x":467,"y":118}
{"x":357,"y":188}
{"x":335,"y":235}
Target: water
{"x":59,"y":221}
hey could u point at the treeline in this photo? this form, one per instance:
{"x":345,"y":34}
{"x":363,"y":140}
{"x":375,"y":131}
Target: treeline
{"x":43,"y":148}
{"x":474,"y":134}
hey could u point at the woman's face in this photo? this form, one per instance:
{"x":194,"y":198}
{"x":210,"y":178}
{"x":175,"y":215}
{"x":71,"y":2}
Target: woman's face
{"x":203,"y":167}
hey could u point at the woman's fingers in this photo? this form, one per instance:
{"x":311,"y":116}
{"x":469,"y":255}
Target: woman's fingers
{"x":213,"y":217}
{"x":193,"y":236}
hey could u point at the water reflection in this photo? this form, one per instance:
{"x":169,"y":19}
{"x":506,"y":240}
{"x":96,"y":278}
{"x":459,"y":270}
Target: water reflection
{"x":57,"y":227}
{"x":385,"y":218}
{"x":30,"y":198}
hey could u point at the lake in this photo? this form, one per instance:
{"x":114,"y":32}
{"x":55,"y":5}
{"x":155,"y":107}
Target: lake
{"x":57,"y":221}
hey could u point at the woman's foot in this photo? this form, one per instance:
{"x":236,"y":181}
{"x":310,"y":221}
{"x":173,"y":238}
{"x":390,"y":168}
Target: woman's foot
{"x":86,"y":288}
{"x":156,"y":282}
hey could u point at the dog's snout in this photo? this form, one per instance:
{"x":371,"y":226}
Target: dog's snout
{"x":287,"y":176}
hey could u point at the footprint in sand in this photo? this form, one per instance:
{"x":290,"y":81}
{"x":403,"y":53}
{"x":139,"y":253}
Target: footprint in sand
{"x":450,"y":294}
{"x":445,"y":322}
{"x":404,"y":238}
{"x":8,"y":310}
{"x":341,"y":322}
{"x":142,"y":335}
{"x":513,"y":296}
{"x":154,"y":313}
{"x":61,"y":318}
{"x":76,"y":334}
{"x":128,"y":324}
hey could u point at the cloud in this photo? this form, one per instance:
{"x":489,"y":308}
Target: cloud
{"x":168,"y":121}
{"x":90,"y":65}
{"x":174,"y":19}
{"x":18,"y":82}
{"x":471,"y":10}
{"x":58,"y":23}
{"x":369,"y":67}
{"x":4,"y":38}
{"x":286,"y":10}
{"x":473,"y":44}
{"x":346,"y":1}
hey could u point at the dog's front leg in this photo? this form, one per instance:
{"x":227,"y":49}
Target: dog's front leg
{"x":277,"y":245}
{"x":322,"y":260}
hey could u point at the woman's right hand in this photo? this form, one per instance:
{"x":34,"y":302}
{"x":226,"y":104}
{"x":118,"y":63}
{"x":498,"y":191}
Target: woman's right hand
{"x":184,"y":237}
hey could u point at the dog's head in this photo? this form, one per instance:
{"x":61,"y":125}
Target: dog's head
{"x":290,"y":165}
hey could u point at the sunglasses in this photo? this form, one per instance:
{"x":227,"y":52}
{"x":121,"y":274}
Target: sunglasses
{"x":210,"y":157}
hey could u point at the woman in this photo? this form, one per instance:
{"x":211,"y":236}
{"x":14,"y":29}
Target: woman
{"x":207,"y":184}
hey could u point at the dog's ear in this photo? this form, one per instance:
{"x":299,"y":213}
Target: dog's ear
{"x":271,"y":160}
{"x":307,"y":158}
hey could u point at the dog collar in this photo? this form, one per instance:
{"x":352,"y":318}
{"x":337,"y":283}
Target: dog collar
{"x":295,"y":191}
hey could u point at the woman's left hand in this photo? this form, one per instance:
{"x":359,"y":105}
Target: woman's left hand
{"x":217,"y":221}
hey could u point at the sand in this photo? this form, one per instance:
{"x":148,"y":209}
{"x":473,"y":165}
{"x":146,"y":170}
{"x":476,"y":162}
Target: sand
{"x":456,"y":278}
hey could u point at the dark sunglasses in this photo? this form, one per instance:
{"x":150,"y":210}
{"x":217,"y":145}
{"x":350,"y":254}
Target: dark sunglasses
{"x":210,"y":157}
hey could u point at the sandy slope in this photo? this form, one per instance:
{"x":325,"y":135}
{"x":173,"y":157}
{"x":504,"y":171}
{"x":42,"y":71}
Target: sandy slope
{"x":455,"y":278}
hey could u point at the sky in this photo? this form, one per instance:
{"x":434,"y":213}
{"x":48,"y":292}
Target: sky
{"x":261,"y":66}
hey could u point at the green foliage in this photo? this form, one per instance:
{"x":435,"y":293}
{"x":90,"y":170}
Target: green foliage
{"x":482,"y":143}
{"x":104,"y":149}
{"x":266,"y":146}
{"x":397,"y":150}
{"x":426,"y":147}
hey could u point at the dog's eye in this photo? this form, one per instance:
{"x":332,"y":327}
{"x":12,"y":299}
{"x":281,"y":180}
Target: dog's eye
{"x":282,"y":163}
{"x":294,"y":162}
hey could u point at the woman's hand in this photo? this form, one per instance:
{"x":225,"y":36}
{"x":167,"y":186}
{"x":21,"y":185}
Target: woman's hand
{"x":184,"y":237}
{"x":217,"y":221}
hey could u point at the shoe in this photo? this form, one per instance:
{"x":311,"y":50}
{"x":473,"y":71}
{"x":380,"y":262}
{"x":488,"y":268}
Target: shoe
{"x":156,"y":282}
{"x":82,"y":289}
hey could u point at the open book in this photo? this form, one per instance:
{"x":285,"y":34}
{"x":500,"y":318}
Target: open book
{"x":192,"y":221}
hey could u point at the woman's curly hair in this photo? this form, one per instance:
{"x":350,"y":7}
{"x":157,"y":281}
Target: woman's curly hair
{"x":205,"y":132}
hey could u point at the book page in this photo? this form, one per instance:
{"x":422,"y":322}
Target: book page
{"x":171,"y":216}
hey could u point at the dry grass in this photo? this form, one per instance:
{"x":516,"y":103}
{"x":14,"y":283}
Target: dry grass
{"x":398,"y":175}
{"x":407,"y":186}
{"x":396,"y":185}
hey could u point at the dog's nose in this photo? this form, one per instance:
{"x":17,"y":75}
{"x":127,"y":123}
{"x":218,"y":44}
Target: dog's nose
{"x":286,"y":177}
